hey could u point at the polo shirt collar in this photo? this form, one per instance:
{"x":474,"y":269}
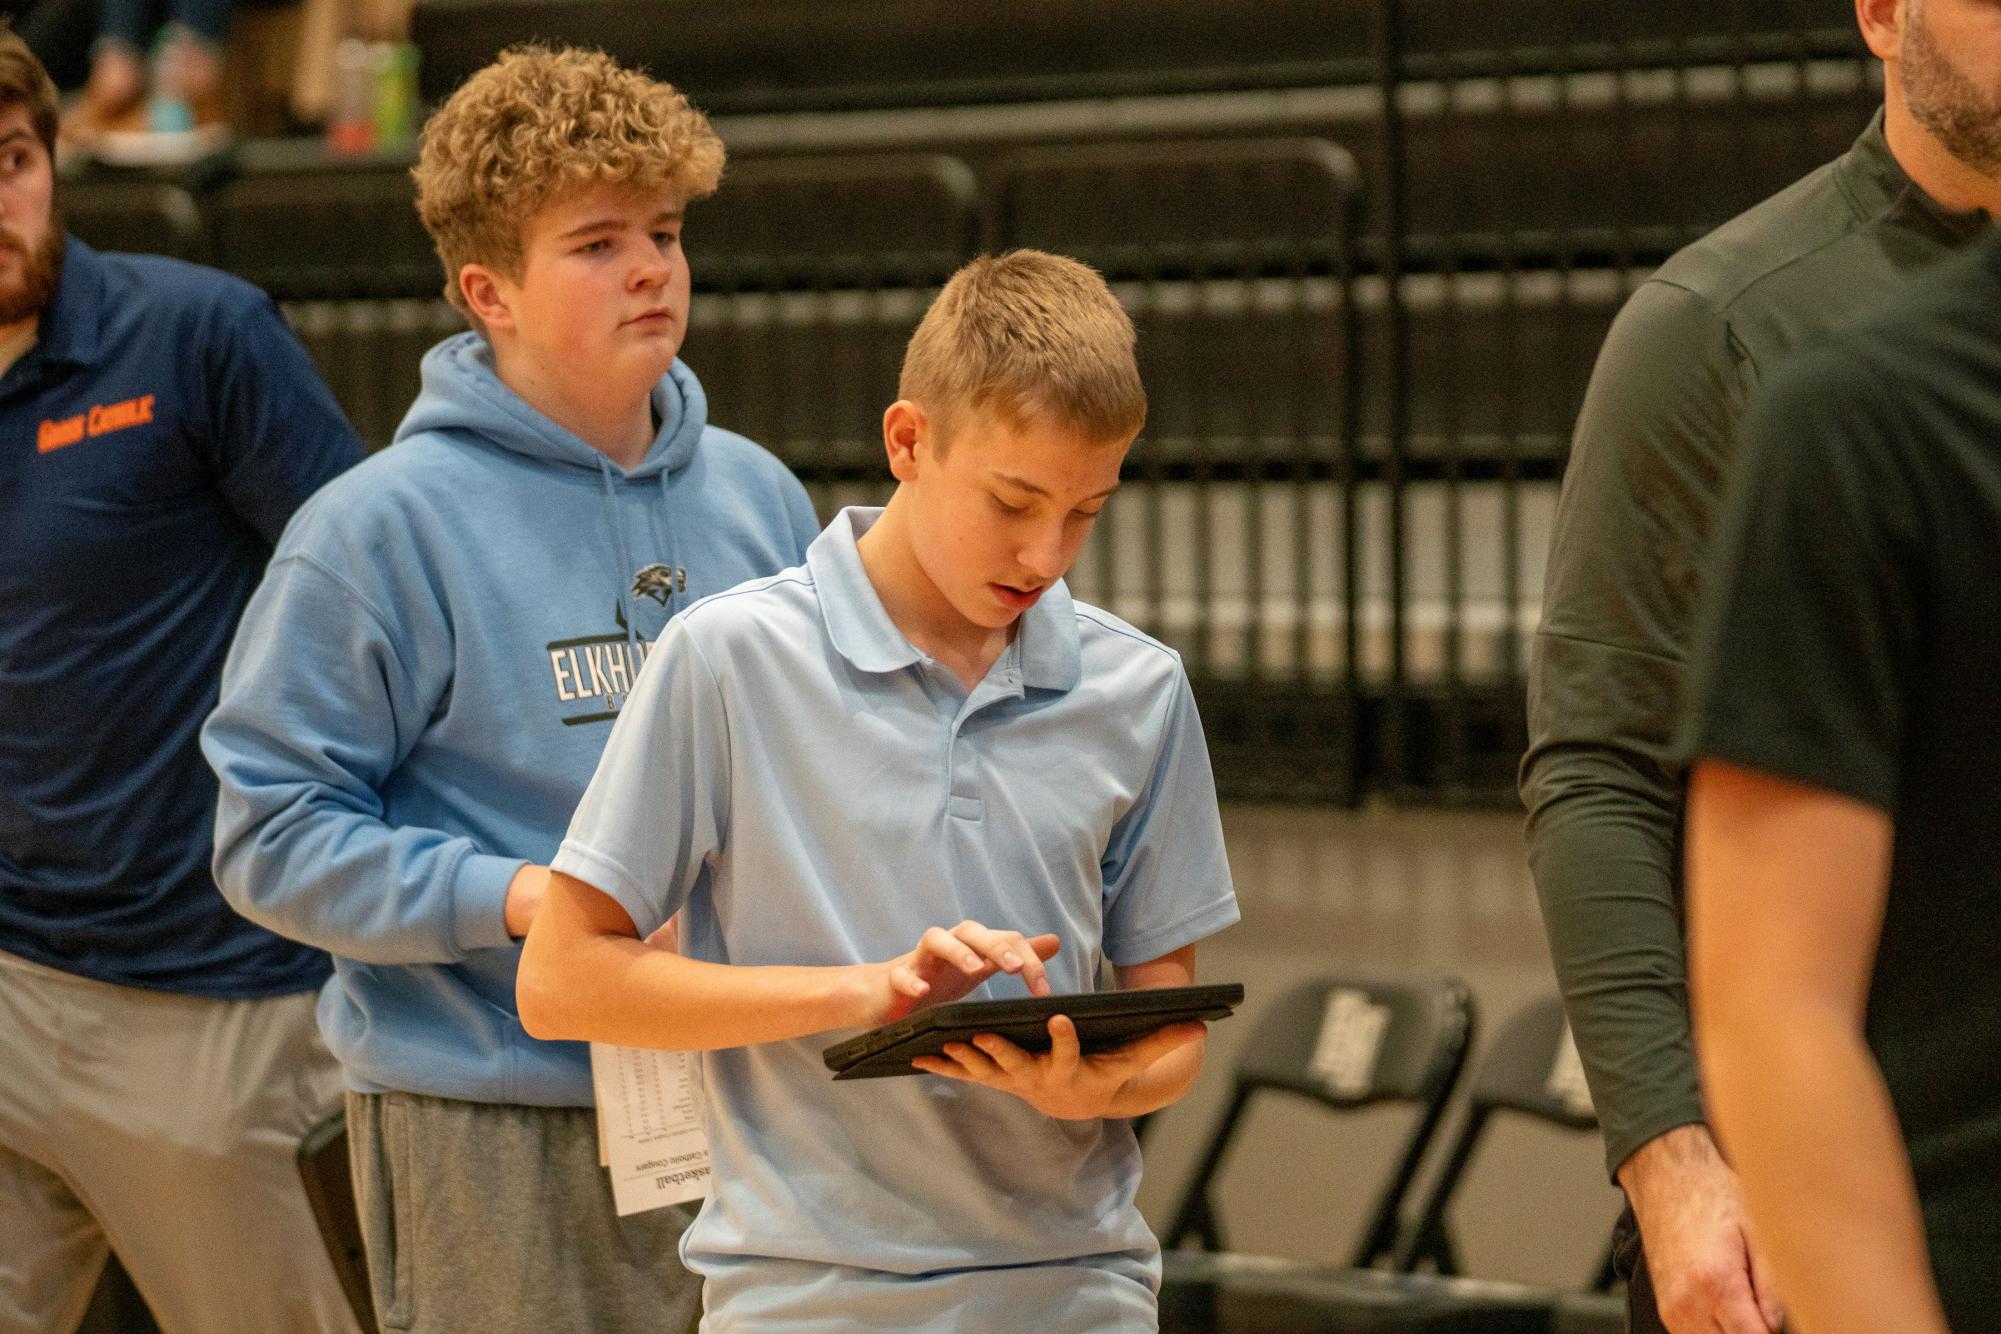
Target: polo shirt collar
{"x":72,"y":321}
{"x":1878,"y":187}
{"x":862,"y":632}
{"x":1048,"y":641}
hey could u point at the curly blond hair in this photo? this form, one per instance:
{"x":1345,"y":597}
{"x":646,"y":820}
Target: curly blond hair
{"x":1031,"y":336}
{"x":535,"y":123}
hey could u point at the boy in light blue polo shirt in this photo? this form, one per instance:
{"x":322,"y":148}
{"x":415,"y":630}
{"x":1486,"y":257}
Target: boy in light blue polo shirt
{"x":885,"y":779}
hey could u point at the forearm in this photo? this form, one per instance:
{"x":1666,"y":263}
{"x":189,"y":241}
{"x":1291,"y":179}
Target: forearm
{"x":1164,"y":1081}
{"x":1803,"y":1110}
{"x":610,"y":988}
{"x":1161,"y":1084}
{"x":1602,"y":849}
{"x":315,"y":871}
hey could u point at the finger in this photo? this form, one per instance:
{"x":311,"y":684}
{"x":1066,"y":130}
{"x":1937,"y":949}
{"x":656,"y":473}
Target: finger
{"x":949,"y":947}
{"x":1764,"y":1286}
{"x":937,"y":1065}
{"x":1010,"y":1058}
{"x":1064,"y":1053}
{"x":1005,"y":950}
{"x":1032,"y":972}
{"x":997,"y":947}
{"x":904,"y":981}
{"x":976,"y":1063}
{"x":1737,"y":1313}
{"x":1045,"y":946}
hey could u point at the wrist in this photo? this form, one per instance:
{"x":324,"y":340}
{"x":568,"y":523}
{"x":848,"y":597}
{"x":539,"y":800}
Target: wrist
{"x":1666,"y":1159}
{"x":523,"y":897}
{"x":853,"y":997}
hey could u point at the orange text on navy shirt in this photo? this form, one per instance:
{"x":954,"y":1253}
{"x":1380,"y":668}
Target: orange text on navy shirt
{"x":100,"y":420}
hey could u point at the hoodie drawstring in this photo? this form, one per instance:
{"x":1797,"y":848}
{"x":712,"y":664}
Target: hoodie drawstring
{"x":624,"y":549}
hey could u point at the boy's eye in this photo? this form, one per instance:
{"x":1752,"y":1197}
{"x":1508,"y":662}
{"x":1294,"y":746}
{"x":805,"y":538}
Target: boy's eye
{"x":592,"y":247}
{"x":1006,"y":508}
{"x":1086,"y":514}
{"x":666,"y":238}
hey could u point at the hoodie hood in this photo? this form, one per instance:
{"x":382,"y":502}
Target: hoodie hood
{"x":463,"y":396}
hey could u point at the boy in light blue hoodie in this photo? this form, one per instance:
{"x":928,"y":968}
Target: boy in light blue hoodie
{"x":423,"y":684}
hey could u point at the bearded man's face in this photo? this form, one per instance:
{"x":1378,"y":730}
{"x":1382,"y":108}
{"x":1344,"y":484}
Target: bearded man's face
{"x":31,"y":244}
{"x":1951,"y":71}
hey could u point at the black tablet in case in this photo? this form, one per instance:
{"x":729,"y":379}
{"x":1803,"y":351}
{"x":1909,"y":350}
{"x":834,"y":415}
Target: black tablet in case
{"x":1104,"y":1019}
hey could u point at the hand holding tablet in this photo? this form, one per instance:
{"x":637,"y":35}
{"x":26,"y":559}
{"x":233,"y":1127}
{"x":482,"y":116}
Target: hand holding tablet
{"x":1104,"y":1020}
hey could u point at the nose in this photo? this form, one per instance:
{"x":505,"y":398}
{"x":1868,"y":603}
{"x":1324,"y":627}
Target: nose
{"x":1042,"y":555}
{"x":652,"y":270}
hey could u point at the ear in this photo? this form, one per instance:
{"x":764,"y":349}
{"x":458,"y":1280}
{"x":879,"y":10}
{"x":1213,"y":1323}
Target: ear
{"x":1882,"y":24}
{"x":905,"y":430}
{"x":489,"y":295}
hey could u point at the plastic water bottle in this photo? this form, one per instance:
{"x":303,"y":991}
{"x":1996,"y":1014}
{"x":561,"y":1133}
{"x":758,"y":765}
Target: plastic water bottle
{"x":169,"y":111}
{"x":394,"y":66}
{"x":351,"y":120}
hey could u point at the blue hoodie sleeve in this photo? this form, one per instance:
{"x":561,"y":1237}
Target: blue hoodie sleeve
{"x":319,"y":705}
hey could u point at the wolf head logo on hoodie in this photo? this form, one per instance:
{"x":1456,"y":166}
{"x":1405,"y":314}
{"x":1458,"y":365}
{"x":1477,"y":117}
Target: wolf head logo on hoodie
{"x":602,"y":668}
{"x":659,"y":582}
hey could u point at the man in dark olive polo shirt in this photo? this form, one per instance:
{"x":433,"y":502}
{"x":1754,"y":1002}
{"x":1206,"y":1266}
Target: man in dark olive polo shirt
{"x":1653,"y":447}
{"x":159,"y":1059}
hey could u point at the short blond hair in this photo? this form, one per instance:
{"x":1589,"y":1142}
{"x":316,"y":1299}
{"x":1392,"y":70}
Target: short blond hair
{"x":1031,"y":336}
{"x":536,"y":123}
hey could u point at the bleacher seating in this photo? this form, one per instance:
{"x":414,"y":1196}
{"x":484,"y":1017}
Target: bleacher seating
{"x":154,"y":217}
{"x":1339,"y":509}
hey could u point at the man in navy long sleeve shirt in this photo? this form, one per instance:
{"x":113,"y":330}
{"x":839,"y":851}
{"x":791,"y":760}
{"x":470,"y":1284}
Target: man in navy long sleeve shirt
{"x":158,"y":426}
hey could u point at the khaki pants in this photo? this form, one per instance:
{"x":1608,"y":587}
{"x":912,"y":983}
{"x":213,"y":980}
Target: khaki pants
{"x":166,"y":1127}
{"x":491,"y":1219}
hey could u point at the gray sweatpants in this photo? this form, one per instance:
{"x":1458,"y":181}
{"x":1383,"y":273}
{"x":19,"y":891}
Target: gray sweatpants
{"x":168,"y":1127}
{"x":491,"y":1219}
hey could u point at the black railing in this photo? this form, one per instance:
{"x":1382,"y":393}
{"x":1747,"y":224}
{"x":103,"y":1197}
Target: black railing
{"x":1367,"y":310}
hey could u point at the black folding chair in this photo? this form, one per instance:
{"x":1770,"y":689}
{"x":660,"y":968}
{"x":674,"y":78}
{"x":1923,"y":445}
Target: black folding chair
{"x":1531,"y":1069}
{"x":1345,"y":1042}
{"x":329,"y":1182}
{"x":1249,"y":1294}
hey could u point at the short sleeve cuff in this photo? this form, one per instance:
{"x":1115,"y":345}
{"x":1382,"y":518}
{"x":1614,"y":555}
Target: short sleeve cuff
{"x":1149,"y":945}
{"x":581,"y":862}
{"x":479,"y":901}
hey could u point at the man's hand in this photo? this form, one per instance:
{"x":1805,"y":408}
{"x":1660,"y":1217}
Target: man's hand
{"x":1707,"y":1277}
{"x":949,"y":964}
{"x":1061,"y":1082}
{"x":524,"y":897}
